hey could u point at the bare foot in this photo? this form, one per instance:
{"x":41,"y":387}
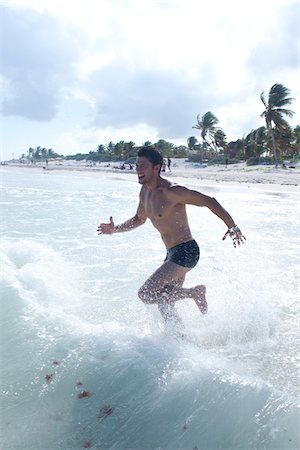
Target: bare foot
{"x":199,"y":297}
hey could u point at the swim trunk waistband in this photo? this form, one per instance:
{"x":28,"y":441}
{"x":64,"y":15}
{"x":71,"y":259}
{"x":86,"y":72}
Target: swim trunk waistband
{"x":186,"y":254}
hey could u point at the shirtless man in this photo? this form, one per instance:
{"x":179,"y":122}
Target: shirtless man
{"x":164,"y":204}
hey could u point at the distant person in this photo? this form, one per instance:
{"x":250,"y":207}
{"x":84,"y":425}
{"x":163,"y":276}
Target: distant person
{"x":169,"y":164}
{"x":164,"y":203}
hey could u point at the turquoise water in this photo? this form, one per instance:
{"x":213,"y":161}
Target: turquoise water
{"x":85,"y":364}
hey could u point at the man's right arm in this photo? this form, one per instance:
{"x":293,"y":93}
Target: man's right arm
{"x":138,"y":219}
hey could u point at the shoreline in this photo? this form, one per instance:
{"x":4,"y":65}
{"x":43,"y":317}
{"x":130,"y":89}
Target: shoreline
{"x":236,"y":173}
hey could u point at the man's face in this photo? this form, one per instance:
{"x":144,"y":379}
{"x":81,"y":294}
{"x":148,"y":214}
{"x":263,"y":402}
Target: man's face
{"x":145,"y":170}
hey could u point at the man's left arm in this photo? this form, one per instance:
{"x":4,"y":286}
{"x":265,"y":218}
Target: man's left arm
{"x":191,"y":197}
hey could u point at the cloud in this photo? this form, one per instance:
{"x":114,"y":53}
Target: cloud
{"x":38,"y":61}
{"x":279,"y":49}
{"x":162,"y":99}
{"x":144,"y":67}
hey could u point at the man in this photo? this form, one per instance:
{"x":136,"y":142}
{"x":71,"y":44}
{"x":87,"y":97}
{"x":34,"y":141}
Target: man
{"x":169,"y":164}
{"x":164,"y":203}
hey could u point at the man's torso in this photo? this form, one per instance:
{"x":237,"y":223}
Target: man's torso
{"x":167,"y":216}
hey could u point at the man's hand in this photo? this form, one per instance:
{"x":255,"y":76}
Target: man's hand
{"x":106,"y":228}
{"x":236,"y":235}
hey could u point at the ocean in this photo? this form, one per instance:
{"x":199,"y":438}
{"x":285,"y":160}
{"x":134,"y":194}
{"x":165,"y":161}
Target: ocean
{"x":85,"y":364}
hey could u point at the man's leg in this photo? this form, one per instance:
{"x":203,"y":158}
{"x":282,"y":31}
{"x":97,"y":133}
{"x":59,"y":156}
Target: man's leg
{"x":167,"y":308}
{"x":165,"y":286}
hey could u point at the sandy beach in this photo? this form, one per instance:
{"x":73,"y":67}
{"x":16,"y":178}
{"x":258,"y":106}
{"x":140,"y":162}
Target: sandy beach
{"x":180,"y":168}
{"x":239,"y":173}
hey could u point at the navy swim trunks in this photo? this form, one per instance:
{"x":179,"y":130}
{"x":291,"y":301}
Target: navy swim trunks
{"x":186,"y":254}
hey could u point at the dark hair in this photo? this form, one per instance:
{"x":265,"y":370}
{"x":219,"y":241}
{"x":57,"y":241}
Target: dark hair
{"x":151,"y":153}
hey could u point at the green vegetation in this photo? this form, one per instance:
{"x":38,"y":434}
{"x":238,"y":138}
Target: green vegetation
{"x":127,"y":152}
{"x":270,"y":144}
{"x":40,"y":154}
{"x":274,"y":114}
{"x":277,"y":141}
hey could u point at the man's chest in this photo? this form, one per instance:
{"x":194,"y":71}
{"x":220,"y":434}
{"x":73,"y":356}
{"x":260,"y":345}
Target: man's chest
{"x":157,"y":205}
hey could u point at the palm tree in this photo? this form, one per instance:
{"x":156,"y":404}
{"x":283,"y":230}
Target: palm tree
{"x":220,"y":139}
{"x":274,"y":112}
{"x":285,"y":142}
{"x":129,"y":150}
{"x":37,"y":152}
{"x":119,"y":150}
{"x":207,"y":125}
{"x":30,"y":152}
{"x":296,"y":134}
{"x":239,"y":149}
{"x":191,"y":142}
{"x":100,"y":149}
{"x":255,"y":142}
{"x":44,"y":153}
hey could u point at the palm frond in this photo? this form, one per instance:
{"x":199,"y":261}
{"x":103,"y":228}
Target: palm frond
{"x":279,"y":122}
{"x":209,"y":120}
{"x":284,"y":101}
{"x":262,"y":97}
{"x":286,"y":112}
{"x":279,"y":96}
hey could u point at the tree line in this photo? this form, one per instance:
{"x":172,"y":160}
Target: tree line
{"x":274,"y":141}
{"x":277,"y":139}
{"x":40,"y":154}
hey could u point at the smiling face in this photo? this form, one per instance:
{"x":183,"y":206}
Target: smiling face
{"x":146,"y":171}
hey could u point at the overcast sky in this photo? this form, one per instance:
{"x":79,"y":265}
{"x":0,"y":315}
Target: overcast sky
{"x":76,"y":74}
